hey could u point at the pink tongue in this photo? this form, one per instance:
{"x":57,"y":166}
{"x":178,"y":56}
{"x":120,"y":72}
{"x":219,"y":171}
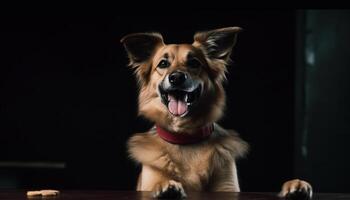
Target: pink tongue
{"x":176,"y":106}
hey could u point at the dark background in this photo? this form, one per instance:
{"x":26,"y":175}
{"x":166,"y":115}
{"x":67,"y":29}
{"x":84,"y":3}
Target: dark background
{"x":68,"y":101}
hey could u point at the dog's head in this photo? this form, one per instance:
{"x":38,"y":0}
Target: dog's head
{"x":181,"y":84}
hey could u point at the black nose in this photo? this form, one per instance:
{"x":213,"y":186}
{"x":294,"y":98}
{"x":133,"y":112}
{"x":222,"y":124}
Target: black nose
{"x":177,"y":78}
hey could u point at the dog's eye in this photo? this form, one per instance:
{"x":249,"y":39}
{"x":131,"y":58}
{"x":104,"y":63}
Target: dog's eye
{"x":193,"y":63}
{"x":163,"y":64}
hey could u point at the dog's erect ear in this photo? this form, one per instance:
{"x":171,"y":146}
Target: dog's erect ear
{"x":217,"y":43}
{"x":141,"y":46}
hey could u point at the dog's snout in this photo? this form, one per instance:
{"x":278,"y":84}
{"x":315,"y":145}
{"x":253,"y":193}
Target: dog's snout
{"x":177,"y":78}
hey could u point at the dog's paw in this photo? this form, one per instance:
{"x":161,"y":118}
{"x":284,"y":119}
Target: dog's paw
{"x":296,"y":190}
{"x":169,"y":190}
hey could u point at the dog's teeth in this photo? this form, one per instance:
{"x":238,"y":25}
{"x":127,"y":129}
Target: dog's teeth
{"x":186,"y":98}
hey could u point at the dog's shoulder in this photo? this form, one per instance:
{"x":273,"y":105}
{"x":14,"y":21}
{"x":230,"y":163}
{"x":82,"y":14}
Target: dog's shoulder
{"x":228,"y":144}
{"x":145,"y":147}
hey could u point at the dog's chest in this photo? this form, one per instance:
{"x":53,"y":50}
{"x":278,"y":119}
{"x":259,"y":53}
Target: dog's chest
{"x":192,"y":165}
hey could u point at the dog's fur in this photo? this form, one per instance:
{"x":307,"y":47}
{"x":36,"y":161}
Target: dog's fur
{"x":171,"y":169}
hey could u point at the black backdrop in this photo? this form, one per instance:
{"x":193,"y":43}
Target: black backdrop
{"x":67,"y":95}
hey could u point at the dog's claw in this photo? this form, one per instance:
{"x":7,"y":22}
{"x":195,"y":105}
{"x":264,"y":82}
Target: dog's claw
{"x":296,"y":190}
{"x":171,"y":190}
{"x":298,"y":195}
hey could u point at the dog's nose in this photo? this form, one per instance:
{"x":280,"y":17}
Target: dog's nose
{"x":177,"y":78}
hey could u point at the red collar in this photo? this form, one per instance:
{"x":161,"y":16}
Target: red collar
{"x":180,"y":138}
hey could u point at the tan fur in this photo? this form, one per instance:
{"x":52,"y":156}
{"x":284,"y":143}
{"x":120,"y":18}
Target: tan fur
{"x":205,"y":166}
{"x":294,"y":185}
{"x":151,"y":107}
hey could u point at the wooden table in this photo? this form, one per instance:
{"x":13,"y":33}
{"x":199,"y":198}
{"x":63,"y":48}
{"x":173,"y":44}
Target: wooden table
{"x":120,"y":195}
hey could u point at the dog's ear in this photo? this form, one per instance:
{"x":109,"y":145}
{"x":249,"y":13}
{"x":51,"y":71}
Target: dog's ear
{"x":141,"y":46}
{"x":217,"y":43}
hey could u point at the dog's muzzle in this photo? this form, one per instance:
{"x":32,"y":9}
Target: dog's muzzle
{"x":179,"y":93}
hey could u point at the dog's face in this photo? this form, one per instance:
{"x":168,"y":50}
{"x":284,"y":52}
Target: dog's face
{"x":181,"y":84}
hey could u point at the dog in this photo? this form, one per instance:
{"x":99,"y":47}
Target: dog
{"x":181,"y":91}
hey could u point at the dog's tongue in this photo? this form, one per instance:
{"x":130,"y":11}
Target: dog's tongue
{"x":176,"y":106}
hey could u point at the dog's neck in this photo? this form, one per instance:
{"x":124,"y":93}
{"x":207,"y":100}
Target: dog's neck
{"x":199,"y":135}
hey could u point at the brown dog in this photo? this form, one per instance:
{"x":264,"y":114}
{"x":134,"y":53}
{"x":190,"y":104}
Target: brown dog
{"x":181,"y":91}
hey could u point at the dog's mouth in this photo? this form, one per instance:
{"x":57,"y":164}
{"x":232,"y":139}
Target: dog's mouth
{"x":179,"y":102}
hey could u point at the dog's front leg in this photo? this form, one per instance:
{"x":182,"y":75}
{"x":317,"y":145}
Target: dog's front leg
{"x":152,"y":179}
{"x":225,"y":179}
